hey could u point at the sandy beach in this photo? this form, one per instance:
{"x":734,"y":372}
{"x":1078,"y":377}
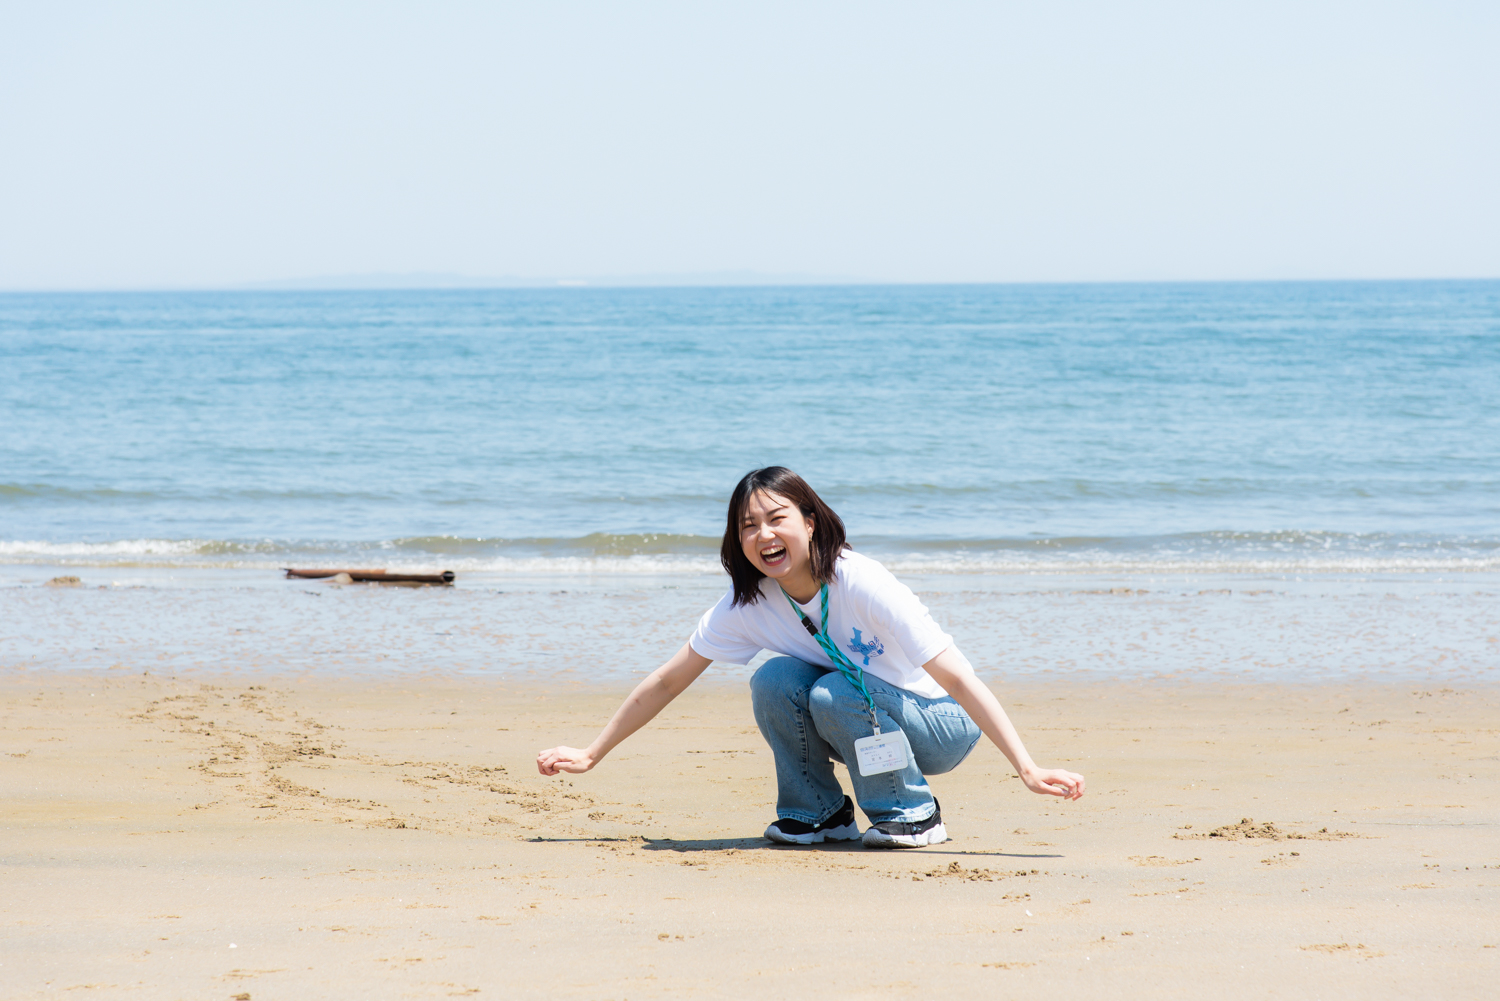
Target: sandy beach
{"x":387,"y":389}
{"x":274,"y":836}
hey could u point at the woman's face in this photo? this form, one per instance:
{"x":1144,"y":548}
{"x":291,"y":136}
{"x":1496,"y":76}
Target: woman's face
{"x":775,"y":536}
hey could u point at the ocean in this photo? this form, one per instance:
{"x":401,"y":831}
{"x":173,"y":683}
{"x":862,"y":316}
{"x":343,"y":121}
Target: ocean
{"x":980,"y":440}
{"x":1050,"y":427}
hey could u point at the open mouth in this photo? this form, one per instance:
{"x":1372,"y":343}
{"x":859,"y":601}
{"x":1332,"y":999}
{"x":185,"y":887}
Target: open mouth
{"x":773,"y":555}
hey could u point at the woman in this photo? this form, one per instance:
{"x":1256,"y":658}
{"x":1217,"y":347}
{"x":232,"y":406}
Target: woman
{"x":866,"y":678}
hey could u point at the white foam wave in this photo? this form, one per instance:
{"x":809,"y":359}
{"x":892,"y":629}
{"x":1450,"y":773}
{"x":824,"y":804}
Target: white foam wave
{"x":200,"y":554}
{"x":1222,"y":563}
{"x":31,"y":551}
{"x":193,"y":553}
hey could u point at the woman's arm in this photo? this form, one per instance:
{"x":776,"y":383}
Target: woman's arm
{"x":649,"y":698}
{"x":953,"y":671}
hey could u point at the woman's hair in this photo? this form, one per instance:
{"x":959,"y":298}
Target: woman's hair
{"x":828,"y":529}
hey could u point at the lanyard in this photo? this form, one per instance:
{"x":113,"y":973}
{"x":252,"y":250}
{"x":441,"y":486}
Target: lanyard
{"x":850,"y":670}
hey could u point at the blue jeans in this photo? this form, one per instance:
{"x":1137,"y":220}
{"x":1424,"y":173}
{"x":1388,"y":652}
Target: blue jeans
{"x":811,"y":717}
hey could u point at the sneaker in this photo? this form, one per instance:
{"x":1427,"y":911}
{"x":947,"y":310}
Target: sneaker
{"x":900,"y":834}
{"x":839,"y":827}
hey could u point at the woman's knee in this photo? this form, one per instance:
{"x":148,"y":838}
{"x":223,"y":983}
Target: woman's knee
{"x":782,"y":676}
{"x":830,"y":693}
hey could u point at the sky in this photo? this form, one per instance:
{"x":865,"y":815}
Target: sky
{"x":192,"y":145}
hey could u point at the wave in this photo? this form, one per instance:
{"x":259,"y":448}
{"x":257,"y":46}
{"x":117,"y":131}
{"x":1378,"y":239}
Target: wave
{"x":54,"y":493}
{"x":672,"y":553}
{"x":50,"y":492}
{"x":593,"y":544}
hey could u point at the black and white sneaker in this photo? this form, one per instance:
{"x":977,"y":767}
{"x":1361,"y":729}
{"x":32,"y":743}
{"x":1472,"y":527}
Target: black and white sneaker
{"x":900,"y":834}
{"x":839,"y":827}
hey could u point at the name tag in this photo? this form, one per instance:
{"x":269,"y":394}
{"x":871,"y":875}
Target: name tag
{"x":880,"y":752}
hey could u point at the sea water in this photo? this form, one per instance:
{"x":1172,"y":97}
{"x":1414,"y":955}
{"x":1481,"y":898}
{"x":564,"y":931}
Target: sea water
{"x":980,"y":440}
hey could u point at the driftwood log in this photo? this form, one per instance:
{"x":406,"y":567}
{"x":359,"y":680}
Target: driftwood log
{"x":376,"y":576}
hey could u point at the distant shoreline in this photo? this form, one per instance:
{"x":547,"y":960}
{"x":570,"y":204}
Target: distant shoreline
{"x":456,"y":283}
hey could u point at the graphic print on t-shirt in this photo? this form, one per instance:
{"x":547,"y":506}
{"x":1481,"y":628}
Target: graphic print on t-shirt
{"x":867,"y":649}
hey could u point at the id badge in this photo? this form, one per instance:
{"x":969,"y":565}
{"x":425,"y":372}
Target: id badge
{"x":881,"y":752}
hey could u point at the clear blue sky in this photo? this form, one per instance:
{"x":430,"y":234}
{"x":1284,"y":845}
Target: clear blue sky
{"x":193,"y":144}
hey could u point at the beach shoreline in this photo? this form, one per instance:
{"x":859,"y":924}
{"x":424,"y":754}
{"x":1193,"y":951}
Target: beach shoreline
{"x":611,"y":629}
{"x":373,"y":836}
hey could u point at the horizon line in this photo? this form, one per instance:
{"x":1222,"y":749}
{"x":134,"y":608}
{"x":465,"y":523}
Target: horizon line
{"x":709,"y":280}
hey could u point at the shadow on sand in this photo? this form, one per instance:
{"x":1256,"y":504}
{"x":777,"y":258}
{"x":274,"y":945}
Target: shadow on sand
{"x":762,"y":845}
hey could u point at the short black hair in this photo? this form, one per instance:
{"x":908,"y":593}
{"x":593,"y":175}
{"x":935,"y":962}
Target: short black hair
{"x":828,"y":529}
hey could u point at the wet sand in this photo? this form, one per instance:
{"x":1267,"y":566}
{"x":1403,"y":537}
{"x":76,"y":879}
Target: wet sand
{"x":1227,"y":627}
{"x":223,"y":837}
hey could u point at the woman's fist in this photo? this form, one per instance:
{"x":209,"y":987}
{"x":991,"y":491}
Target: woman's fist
{"x":1052,"y":782}
{"x":563,"y":759}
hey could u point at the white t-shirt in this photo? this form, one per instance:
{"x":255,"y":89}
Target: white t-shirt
{"x":874,"y":618}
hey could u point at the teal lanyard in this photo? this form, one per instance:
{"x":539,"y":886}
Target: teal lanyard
{"x":846,"y":667}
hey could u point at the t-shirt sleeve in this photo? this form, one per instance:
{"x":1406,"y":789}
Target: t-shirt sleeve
{"x":907,"y":621}
{"x":721,"y":635}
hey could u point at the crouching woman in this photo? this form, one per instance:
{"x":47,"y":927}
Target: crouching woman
{"x":864,"y":677}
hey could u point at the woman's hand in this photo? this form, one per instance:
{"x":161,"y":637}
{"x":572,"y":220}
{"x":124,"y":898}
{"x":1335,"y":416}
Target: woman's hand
{"x":641,"y":706}
{"x":1053,"y":782}
{"x":952,"y":670}
{"x":564,"y":759}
